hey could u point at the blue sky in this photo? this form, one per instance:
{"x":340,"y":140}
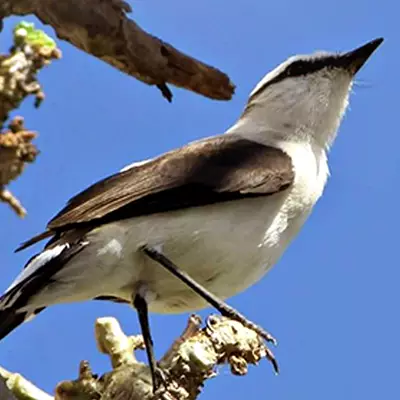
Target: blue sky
{"x":332,"y":300}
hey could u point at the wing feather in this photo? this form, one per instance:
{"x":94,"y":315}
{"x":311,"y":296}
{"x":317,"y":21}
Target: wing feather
{"x":217,"y":169}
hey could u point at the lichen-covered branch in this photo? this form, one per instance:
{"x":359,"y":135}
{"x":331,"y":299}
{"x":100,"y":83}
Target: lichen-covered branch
{"x":188,"y":364}
{"x":19,"y":388}
{"x":5,"y":392}
{"x":31,"y":51}
{"x":16,"y":149}
{"x":192,"y":359}
{"x":101,"y":28}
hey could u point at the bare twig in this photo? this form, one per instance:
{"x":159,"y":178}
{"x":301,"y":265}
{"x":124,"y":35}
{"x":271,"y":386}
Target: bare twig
{"x":101,"y":28}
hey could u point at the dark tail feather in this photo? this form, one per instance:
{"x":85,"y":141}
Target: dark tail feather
{"x":34,"y":240}
{"x":10,"y":319}
{"x":18,"y":296}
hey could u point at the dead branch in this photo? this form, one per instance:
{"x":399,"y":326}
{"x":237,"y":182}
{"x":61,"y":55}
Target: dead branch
{"x":101,"y":28}
{"x":188,"y":364}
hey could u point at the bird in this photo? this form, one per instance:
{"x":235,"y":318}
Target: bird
{"x":203,"y":222}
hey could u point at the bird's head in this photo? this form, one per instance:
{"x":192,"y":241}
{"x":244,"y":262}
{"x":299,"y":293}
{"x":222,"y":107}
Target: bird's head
{"x":305,"y":97}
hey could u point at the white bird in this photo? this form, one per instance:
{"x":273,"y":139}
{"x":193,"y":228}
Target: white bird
{"x":221,"y":210}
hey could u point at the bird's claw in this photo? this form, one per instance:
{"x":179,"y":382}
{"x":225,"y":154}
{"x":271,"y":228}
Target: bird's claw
{"x":268,"y":337}
{"x":268,"y":353}
{"x":160,"y":378}
{"x":270,"y":356}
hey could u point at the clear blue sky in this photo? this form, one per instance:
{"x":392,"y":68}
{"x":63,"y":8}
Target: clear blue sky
{"x":333,"y":299}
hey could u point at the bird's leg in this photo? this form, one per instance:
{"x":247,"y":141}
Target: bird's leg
{"x":157,"y":375}
{"x":213,"y":300}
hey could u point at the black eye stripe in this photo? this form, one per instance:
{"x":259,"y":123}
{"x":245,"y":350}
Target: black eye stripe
{"x":302,"y":68}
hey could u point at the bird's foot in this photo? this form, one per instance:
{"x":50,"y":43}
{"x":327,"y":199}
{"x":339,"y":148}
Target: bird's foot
{"x":265,"y":335}
{"x":230,"y":312}
{"x":234,"y":315}
{"x":261,"y":331}
{"x":160,"y":378}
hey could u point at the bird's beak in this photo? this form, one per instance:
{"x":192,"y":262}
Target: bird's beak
{"x":355,"y":59}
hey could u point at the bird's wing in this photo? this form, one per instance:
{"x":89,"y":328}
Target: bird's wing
{"x":217,"y":169}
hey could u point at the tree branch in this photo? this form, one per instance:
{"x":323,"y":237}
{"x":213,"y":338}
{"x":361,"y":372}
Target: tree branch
{"x":188,"y":364}
{"x":5,"y":392}
{"x":101,"y":28}
{"x":32,"y":50}
{"x":19,"y":388}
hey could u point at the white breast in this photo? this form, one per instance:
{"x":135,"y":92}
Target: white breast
{"x":311,"y":173}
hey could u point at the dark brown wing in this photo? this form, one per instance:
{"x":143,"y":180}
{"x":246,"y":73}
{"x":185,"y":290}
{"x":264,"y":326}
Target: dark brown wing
{"x":217,"y":169}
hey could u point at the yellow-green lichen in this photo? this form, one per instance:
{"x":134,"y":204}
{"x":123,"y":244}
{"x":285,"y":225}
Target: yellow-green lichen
{"x":26,"y":34}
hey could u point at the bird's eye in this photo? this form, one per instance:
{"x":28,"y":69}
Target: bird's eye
{"x":296,"y":69}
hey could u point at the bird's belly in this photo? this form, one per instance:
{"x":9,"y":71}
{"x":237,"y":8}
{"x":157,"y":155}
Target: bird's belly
{"x":226,"y":248}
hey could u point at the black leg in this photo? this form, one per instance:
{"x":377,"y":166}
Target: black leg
{"x":141,"y":306}
{"x":213,"y":300}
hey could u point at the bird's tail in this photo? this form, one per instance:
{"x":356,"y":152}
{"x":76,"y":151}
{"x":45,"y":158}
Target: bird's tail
{"x":11,"y":319}
{"x":16,"y":305}
{"x":12,"y":313}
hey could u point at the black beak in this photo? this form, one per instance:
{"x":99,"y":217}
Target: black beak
{"x":355,"y":59}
